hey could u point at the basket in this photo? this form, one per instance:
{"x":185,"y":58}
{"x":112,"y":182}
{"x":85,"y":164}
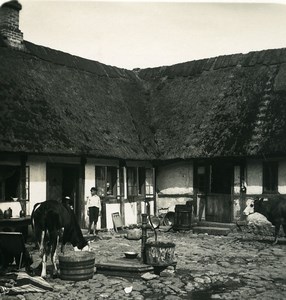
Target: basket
{"x":160,"y":253}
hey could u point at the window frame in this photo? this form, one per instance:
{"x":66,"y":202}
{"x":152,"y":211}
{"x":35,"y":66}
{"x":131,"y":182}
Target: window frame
{"x":132,"y":186}
{"x":149,"y":182}
{"x":270,"y":177}
{"x":140,"y":183}
{"x":111,"y":175}
{"x":21,"y":184}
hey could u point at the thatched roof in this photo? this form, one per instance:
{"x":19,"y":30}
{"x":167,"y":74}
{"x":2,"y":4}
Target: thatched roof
{"x":231,"y":105}
{"x":53,"y":102}
{"x":56,"y":103}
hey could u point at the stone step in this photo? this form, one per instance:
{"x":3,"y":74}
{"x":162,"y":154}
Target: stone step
{"x":216,"y":224}
{"x":211,"y":230}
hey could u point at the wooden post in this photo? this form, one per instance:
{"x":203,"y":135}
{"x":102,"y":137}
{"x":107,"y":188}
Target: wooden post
{"x":121,"y":199}
{"x":22,"y":194}
{"x":243,"y":189}
{"x":154,"y":191}
{"x":144,"y":237}
{"x":81,"y":200}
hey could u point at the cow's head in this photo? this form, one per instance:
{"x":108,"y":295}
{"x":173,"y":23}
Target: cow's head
{"x":249,"y":207}
{"x":85,"y":248}
{"x":82,"y":244}
{"x":253,"y":205}
{"x":76,"y":237}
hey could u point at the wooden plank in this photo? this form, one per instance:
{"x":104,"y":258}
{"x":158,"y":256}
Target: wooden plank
{"x":117,"y":221}
{"x":123,"y":267}
{"x":218,"y":208}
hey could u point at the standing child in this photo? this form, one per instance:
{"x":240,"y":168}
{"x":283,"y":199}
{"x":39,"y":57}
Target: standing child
{"x":94,"y":207}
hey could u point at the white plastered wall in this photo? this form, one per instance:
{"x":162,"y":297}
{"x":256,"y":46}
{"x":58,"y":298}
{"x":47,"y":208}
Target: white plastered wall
{"x":282,"y":177}
{"x":110,"y":209}
{"x":14,"y":205}
{"x":174,"y":179}
{"x":130,"y":210}
{"x":38,"y":184}
{"x":254,"y":177}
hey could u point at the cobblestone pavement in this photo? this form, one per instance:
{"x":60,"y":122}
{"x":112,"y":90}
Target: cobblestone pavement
{"x":238,"y":266}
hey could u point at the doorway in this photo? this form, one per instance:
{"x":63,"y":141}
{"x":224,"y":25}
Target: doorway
{"x":214,"y":187}
{"x":219,"y":200}
{"x":63,"y":180}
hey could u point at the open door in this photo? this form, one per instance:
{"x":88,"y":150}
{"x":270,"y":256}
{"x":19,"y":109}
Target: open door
{"x":63,"y":180}
{"x":219,"y":199}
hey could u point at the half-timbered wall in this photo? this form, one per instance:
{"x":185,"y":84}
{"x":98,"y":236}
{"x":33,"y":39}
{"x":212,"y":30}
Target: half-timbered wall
{"x":282,"y":177}
{"x":254,"y":177}
{"x":38,"y":182}
{"x":174,"y":184}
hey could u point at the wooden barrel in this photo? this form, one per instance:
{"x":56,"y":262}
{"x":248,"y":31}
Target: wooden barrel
{"x":160,"y":253}
{"x":183,"y":217}
{"x":76,"y":266}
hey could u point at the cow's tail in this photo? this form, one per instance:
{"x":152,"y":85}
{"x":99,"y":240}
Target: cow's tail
{"x":32,"y":215}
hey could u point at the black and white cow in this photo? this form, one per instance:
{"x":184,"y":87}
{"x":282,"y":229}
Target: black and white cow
{"x":49,"y":218}
{"x":273,"y":208}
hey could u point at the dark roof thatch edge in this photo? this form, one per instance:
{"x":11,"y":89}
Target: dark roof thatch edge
{"x":196,"y":67}
{"x":73,"y":61}
{"x":76,"y":154}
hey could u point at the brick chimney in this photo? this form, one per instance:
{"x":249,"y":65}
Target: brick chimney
{"x":9,"y":25}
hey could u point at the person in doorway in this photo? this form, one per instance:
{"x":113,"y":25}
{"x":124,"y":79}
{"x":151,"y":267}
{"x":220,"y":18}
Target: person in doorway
{"x":94,"y":207}
{"x":67,"y":202}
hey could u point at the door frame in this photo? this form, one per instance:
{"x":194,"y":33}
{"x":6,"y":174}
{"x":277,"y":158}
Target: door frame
{"x":79,"y":185}
{"x":207,"y":193}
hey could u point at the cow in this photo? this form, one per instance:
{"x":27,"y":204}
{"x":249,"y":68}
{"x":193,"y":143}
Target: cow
{"x":273,"y":208}
{"x":49,"y":218}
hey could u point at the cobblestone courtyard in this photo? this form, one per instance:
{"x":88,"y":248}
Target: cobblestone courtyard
{"x":237,"y":266}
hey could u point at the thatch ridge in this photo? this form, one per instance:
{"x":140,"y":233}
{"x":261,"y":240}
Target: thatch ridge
{"x":226,"y":106}
{"x":79,"y":63}
{"x":197,"y":67}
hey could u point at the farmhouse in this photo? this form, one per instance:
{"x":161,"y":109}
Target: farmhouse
{"x":212,"y":131}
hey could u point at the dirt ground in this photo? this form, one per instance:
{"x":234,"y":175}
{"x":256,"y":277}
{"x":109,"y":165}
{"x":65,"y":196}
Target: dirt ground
{"x":238,"y":266}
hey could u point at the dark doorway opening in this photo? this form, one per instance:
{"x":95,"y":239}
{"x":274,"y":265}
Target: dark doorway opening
{"x":219,"y":200}
{"x":221,"y":178}
{"x":63,"y":180}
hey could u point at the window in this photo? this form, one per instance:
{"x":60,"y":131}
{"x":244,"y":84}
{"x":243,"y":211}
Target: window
{"x":149,"y":183}
{"x":26,"y":182}
{"x":111,"y":179}
{"x":120,"y":183}
{"x":107,"y":181}
{"x":202,"y":184}
{"x":132,"y":182}
{"x":270,"y":177}
{"x":100,"y":180}
{"x":140,"y":181}
{"x":10,"y":183}
{"x":221,"y":178}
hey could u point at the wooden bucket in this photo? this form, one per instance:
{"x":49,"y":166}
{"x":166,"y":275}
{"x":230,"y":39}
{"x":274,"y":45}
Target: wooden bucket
{"x":76,"y":266}
{"x":160,"y":253}
{"x":183,"y":217}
